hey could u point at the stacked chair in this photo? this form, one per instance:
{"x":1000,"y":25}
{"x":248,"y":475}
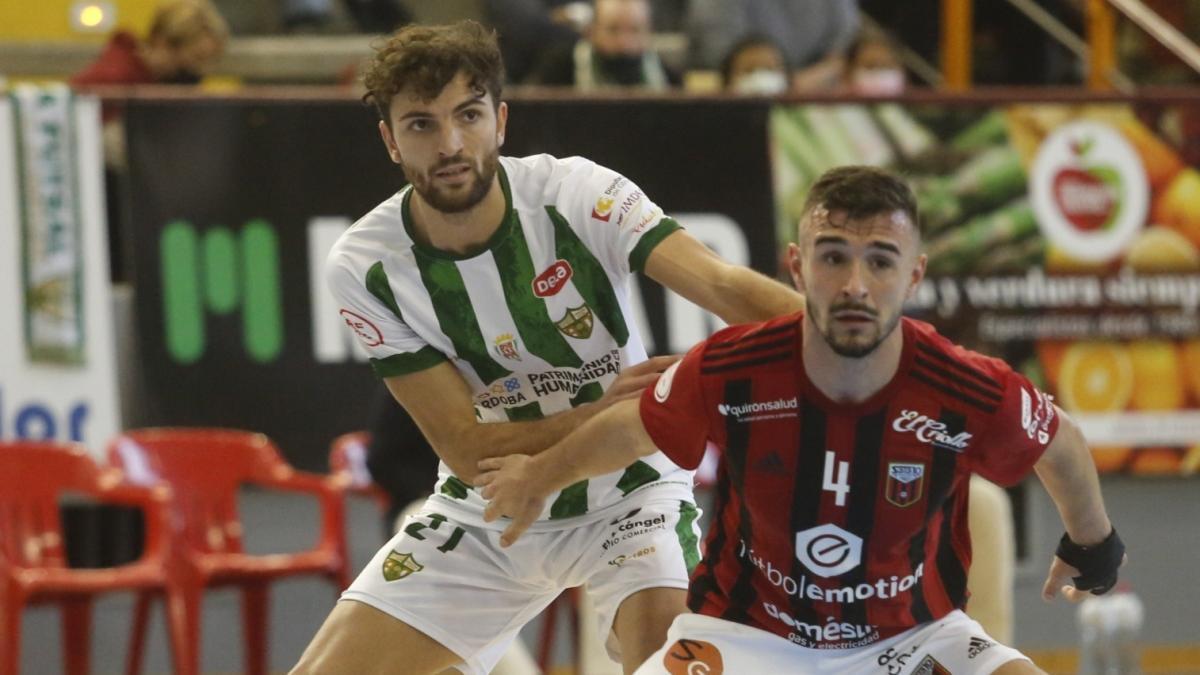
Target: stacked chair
{"x":205,"y":468}
{"x":34,"y":476}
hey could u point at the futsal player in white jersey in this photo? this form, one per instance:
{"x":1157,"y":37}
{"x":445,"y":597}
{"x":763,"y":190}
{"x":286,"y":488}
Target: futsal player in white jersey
{"x":492,"y":296}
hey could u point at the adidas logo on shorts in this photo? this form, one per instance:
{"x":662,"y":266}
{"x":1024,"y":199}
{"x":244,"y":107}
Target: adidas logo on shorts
{"x":977,"y":646}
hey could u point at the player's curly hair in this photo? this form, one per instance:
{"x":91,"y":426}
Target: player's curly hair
{"x":862,"y":191}
{"x":423,"y":60}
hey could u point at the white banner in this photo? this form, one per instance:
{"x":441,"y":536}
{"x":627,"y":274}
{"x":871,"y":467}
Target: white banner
{"x":51,"y":262}
{"x":73,"y":399}
{"x":1169,"y":427}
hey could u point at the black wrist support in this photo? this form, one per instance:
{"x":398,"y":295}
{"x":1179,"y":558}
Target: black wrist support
{"x":1097,"y":564}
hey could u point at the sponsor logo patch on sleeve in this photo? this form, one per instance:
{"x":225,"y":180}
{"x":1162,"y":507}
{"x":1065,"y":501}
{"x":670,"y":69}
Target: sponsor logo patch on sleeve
{"x":1037,"y":412}
{"x":368,"y":332}
{"x":602,"y":211}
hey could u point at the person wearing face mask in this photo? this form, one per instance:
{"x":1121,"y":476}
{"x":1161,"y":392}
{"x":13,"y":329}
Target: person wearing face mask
{"x":756,"y":66}
{"x":614,"y":52}
{"x":873,"y":67}
{"x":813,"y":34}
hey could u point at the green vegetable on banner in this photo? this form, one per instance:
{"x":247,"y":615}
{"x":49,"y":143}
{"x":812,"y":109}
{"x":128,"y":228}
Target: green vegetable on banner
{"x":1063,"y":238}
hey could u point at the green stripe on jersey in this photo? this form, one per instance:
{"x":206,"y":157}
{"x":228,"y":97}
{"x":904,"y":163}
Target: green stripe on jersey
{"x":641,"y":252}
{"x":537,"y":329}
{"x":411,"y":362}
{"x":397,"y":364}
{"x":455,"y":488}
{"x":455,"y":315}
{"x":572,"y":501}
{"x":636,"y":475}
{"x":592,"y":391}
{"x":377,"y":283}
{"x":687,"y":535}
{"x":589,"y":278}
{"x":529,"y":411}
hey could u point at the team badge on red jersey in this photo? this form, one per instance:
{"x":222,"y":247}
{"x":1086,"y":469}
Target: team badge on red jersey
{"x":904,"y":483}
{"x":930,"y":666}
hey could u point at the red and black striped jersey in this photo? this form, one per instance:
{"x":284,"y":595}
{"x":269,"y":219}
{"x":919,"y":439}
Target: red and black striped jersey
{"x":837,"y":524}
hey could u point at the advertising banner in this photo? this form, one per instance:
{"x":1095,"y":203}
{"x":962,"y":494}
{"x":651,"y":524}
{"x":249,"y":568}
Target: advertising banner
{"x":57,"y":362}
{"x":234,"y":205}
{"x":1063,"y":238}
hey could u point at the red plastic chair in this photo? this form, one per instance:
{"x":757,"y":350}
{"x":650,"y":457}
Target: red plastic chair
{"x":205,"y":468}
{"x":33,"y":569}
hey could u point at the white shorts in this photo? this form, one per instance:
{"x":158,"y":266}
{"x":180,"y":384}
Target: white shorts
{"x":702,"y":645}
{"x":454,"y":583}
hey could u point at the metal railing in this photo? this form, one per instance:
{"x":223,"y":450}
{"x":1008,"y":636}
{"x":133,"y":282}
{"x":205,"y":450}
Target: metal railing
{"x":1166,"y":34}
{"x":1098,"y":51}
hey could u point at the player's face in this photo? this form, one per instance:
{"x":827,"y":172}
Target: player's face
{"x":856,"y":275}
{"x":449,"y":147}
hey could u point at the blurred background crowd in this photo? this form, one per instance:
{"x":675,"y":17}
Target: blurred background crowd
{"x":751,"y":46}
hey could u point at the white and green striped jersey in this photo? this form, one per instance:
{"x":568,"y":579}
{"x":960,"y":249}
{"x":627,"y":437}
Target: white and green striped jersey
{"x":537,"y":323}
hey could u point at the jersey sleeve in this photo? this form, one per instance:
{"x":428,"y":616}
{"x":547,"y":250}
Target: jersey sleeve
{"x":674,"y":413}
{"x":614,"y":216}
{"x":368,"y":307}
{"x":1018,"y":432}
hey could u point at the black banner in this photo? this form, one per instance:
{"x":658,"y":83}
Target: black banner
{"x":230,"y":203}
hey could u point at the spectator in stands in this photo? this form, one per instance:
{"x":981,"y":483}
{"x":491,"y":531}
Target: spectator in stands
{"x":615,"y":52}
{"x":812,"y":33}
{"x":873,"y":67}
{"x":529,"y":30}
{"x":755,"y":65}
{"x":187,"y":37}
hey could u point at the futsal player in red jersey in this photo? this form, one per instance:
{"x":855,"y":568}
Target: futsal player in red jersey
{"x":848,"y":434}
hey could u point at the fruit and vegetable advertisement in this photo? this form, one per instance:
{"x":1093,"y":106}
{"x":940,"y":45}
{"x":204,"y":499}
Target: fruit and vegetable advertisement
{"x":1063,"y":238}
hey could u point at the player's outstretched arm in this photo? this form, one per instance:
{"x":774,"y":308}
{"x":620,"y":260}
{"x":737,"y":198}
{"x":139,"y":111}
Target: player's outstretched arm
{"x":440,"y":402}
{"x":1090,"y":552}
{"x":736,"y":294}
{"x":518,"y":485}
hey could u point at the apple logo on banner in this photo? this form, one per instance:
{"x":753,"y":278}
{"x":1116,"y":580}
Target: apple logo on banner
{"x":1089,"y":191}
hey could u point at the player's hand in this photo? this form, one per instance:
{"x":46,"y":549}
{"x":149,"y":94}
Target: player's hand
{"x":1061,"y":579}
{"x":631,"y":381}
{"x":512,"y":489}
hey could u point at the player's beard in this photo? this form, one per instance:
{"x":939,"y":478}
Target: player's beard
{"x":477,"y":189}
{"x":844,"y":345}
